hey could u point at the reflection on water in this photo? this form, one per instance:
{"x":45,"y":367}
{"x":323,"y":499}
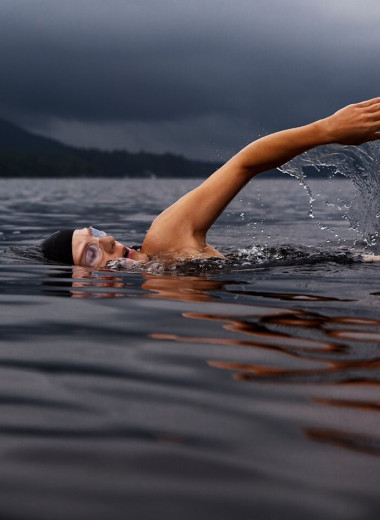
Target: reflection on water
{"x":317,"y":359}
{"x":185,"y":289}
{"x":352,"y":441}
{"x":302,"y":347}
{"x":82,"y":282}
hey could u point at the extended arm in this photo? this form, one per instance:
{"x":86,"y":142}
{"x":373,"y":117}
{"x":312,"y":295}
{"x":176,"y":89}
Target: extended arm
{"x":186,"y":222}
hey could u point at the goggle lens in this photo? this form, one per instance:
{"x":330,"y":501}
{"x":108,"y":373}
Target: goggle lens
{"x":97,"y":233}
{"x":93,"y":254}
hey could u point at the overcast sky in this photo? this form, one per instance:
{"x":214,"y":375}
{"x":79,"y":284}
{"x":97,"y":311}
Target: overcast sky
{"x":197,"y":77}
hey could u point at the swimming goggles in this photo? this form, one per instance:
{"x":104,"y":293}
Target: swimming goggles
{"x":93,"y":253}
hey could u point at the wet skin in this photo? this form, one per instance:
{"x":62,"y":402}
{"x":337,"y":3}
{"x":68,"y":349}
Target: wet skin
{"x":109,"y":248}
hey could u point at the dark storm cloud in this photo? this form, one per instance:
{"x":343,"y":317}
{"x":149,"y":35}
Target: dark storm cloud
{"x":270,"y":62}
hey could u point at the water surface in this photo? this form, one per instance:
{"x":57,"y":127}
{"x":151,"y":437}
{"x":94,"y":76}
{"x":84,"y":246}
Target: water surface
{"x":247,"y":390}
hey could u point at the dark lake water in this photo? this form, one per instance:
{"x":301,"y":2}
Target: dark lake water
{"x":242,"y":390}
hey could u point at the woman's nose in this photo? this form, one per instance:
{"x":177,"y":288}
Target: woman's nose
{"x":108,"y":243}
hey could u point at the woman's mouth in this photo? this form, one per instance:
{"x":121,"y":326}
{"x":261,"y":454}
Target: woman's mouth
{"x":127,"y":252}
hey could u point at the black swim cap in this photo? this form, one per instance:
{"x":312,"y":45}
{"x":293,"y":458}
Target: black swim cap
{"x":58,"y":246}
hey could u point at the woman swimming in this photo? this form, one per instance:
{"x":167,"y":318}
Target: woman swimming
{"x":180,"y":231}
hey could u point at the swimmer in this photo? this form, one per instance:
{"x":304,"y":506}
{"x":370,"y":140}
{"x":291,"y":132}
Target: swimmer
{"x":180,"y":231}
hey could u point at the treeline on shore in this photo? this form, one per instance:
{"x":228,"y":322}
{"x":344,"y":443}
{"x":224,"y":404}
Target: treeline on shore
{"x":78,"y":162}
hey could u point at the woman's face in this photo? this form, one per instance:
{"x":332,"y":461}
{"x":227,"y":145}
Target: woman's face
{"x":93,"y":248}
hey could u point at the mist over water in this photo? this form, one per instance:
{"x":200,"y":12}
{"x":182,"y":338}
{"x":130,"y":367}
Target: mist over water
{"x":359,"y":164}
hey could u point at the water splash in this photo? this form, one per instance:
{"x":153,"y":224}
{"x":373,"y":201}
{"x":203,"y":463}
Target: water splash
{"x":127,"y":264}
{"x":258,"y":256}
{"x":360,"y":164}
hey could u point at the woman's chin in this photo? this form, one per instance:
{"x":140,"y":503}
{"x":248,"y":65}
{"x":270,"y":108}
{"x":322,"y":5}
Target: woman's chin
{"x":136,"y":256}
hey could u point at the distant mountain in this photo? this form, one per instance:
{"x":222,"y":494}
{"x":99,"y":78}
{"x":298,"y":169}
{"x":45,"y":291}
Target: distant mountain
{"x":13,"y":137}
{"x":25,"y":154}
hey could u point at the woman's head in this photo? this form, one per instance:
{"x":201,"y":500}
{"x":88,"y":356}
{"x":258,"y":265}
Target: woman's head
{"x":88,"y":247}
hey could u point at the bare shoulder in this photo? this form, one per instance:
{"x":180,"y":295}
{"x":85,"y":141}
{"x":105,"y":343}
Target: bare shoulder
{"x":170,"y":238}
{"x":167,"y":235}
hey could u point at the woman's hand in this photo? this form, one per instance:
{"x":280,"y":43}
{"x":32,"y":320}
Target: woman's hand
{"x":354,"y":124}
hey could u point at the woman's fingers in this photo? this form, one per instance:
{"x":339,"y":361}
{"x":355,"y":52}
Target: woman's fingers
{"x":374,"y":110}
{"x":369,"y":103}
